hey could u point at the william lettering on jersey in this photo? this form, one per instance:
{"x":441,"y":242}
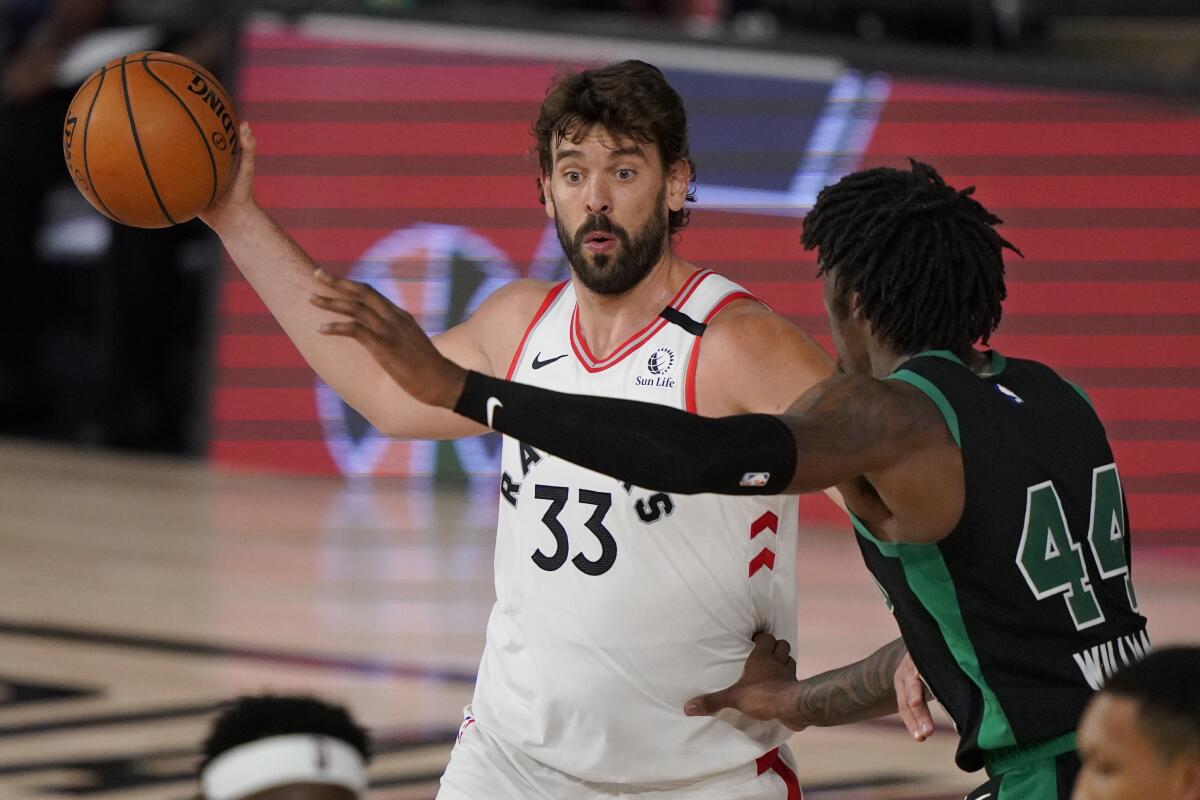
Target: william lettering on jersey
{"x":1099,"y":662}
{"x":660,"y":381}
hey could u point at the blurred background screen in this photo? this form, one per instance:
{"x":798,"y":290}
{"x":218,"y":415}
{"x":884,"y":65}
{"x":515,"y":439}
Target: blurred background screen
{"x":189,"y":514}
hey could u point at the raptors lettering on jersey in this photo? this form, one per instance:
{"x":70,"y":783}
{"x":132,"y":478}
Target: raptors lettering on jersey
{"x":616,"y":604}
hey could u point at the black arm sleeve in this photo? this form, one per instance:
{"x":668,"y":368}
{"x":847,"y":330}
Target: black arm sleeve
{"x":651,"y":446}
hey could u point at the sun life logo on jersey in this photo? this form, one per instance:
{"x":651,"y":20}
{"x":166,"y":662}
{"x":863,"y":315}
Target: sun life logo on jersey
{"x":661,"y":361}
{"x":659,"y":364}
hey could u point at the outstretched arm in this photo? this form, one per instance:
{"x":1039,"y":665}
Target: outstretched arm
{"x":285,"y":277}
{"x":845,"y":427}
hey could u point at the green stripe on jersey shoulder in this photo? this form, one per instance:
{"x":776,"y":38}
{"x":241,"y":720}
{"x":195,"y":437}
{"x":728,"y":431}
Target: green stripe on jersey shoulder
{"x":934,"y":394}
{"x":943,"y":354}
{"x":996,"y":360}
{"x":997,"y":363}
{"x":929,"y":578}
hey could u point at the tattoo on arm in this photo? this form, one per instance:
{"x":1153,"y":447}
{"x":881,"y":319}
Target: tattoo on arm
{"x":862,"y":690}
{"x":850,"y":426}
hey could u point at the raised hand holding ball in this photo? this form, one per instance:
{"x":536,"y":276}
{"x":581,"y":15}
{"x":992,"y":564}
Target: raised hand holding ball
{"x":151,"y":139}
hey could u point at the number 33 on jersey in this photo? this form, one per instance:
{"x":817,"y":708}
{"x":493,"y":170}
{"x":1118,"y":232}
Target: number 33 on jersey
{"x":616,"y":604}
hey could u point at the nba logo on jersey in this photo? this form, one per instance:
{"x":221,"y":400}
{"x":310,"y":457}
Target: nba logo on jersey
{"x":755,"y":479}
{"x":1009,"y":393}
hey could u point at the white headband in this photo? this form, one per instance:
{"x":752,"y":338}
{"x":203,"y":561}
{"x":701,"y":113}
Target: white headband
{"x":279,"y":760}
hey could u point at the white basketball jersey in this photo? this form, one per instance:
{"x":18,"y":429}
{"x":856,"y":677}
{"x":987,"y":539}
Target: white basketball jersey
{"x":615,"y":604}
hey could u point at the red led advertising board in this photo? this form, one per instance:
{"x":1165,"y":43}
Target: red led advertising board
{"x":409,"y":167}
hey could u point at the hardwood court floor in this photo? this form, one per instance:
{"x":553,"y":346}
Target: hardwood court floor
{"x":136,"y":594}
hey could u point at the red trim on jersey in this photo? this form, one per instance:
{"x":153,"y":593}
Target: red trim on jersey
{"x":468,"y":721}
{"x":680,"y":302}
{"x":550,"y":295}
{"x":789,"y":779}
{"x":773,"y":761}
{"x":690,"y":376}
{"x":630,"y":345}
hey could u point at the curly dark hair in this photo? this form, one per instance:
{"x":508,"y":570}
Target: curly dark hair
{"x":250,"y":718}
{"x":629,"y":98}
{"x":924,"y":257}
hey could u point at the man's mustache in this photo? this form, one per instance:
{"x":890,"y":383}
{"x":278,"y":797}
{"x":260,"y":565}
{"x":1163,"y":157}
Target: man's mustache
{"x":599,"y":223}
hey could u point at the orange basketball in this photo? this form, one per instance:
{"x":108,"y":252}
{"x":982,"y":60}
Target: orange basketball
{"x":151,"y":139}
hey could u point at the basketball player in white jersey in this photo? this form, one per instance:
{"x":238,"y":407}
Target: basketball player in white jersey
{"x":614,"y":605}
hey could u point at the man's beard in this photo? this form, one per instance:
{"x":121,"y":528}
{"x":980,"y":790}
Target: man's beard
{"x":604,"y":273}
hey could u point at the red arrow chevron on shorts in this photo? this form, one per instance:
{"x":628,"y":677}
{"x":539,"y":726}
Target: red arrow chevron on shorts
{"x":767,"y":521}
{"x":765,"y":558}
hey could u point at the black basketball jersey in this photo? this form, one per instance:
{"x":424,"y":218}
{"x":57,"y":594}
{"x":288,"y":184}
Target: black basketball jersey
{"x":1023,"y":610}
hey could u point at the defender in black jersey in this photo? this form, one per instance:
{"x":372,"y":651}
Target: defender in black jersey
{"x":1019,"y":613}
{"x":983,"y":491}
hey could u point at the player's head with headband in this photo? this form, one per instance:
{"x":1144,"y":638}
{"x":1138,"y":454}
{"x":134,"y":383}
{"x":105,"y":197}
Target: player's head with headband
{"x":910,"y":262}
{"x":270,"y":747}
{"x":616,"y":170}
{"x":1140,"y":735}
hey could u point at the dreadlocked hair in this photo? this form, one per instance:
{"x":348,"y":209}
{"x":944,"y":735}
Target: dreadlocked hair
{"x":924,"y":258}
{"x":250,"y":718}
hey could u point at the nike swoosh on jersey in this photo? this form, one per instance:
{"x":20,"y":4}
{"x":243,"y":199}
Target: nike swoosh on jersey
{"x":539,"y":364}
{"x":492,"y":404}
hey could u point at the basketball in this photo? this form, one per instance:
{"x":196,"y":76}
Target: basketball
{"x":151,"y":139}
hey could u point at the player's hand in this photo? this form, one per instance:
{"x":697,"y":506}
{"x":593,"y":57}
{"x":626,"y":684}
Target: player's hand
{"x":392,"y":337}
{"x":912,"y":697}
{"x":766,"y":689}
{"x":239,"y":194}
